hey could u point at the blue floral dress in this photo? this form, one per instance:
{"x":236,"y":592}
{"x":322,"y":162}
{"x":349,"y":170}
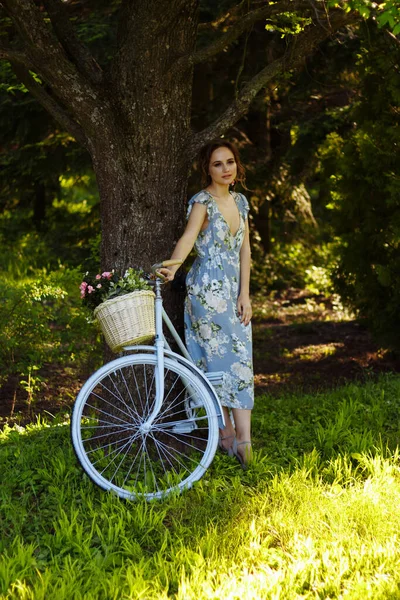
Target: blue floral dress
{"x":215,"y":337}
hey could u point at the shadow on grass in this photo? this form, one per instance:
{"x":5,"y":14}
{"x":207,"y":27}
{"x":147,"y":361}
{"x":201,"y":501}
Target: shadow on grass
{"x":316,"y":355}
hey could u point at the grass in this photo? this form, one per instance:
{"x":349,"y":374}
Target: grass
{"x":316,"y":516}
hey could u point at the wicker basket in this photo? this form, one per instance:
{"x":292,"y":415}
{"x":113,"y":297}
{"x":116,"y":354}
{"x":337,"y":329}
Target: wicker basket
{"x":127,"y":320}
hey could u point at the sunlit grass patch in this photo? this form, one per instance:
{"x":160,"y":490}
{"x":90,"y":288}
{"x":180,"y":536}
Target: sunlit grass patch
{"x":329,"y":308}
{"x":316,"y":351}
{"x":316,"y":516}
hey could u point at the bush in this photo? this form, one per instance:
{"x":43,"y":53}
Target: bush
{"x":299,"y":265}
{"x":42,"y":322}
{"x":362,"y":169}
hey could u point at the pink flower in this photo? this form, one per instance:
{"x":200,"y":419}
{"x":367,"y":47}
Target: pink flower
{"x":98,"y":276}
{"x":98,"y":286}
{"x":83,"y":287}
{"x":90,"y":289}
{"x":107,"y":274}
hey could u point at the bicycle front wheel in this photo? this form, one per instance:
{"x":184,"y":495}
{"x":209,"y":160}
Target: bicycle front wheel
{"x":118,"y":453}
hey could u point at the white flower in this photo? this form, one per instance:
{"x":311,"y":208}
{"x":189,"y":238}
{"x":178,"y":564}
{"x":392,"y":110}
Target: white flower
{"x":227,"y":392}
{"x":195,"y":289}
{"x":206,"y":278}
{"x":220,"y":305}
{"x":214,"y":344}
{"x":242,"y":371}
{"x":205,"y":331}
{"x":221,"y":234}
{"x":214,"y":302}
{"x":210,"y":298}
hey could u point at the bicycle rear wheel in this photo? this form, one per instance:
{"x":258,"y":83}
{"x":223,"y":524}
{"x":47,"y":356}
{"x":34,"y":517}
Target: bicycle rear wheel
{"x":113,"y":449}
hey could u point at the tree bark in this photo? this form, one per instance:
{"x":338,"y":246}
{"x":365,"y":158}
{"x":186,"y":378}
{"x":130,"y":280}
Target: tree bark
{"x":139,"y":157}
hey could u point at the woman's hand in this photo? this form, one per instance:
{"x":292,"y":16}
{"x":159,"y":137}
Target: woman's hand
{"x":169,"y":274}
{"x":244,"y":308}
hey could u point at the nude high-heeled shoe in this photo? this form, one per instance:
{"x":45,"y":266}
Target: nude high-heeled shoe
{"x":243,"y":460}
{"x":226,"y":450}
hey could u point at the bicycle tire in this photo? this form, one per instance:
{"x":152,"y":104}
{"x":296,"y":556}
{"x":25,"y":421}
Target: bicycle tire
{"x":117,"y":455}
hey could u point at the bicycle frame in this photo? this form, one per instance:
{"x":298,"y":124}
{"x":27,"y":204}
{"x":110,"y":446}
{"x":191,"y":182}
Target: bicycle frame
{"x":161,"y":348}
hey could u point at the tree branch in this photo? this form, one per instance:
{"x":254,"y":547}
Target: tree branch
{"x":72,"y":45}
{"x":49,"y":59}
{"x":301,"y":47}
{"x":50,"y":104}
{"x":392,"y":37}
{"x":232,"y":12}
{"x":236,"y":31}
{"x":15,"y":57}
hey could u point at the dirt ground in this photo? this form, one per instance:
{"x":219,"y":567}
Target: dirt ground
{"x":302,"y":342}
{"x":305,"y":342}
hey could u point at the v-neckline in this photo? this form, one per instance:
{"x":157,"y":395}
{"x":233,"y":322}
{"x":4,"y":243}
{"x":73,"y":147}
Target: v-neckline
{"x":222,"y":216}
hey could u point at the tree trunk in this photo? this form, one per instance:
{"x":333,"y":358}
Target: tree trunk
{"x":141,"y":211}
{"x":143,"y":180}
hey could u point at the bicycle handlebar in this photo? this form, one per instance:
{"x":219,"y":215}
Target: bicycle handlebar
{"x":165,"y":263}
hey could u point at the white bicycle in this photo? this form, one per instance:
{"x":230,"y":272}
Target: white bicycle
{"x":146,"y":424}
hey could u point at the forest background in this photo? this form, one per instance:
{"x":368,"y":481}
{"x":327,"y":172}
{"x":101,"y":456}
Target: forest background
{"x":321,"y":146}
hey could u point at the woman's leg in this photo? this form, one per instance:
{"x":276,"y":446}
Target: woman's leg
{"x":242,"y":418}
{"x":227,"y":435}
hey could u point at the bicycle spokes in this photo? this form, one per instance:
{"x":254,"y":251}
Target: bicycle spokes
{"x":118,"y":447}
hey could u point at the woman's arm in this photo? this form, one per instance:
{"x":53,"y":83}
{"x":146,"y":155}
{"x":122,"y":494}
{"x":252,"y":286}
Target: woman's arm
{"x":243,"y":303}
{"x":184,"y":245}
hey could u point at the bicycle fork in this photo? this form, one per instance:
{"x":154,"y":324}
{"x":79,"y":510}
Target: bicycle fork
{"x":159,"y":369}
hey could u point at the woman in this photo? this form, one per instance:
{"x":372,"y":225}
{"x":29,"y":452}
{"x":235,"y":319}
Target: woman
{"x":218,"y":308}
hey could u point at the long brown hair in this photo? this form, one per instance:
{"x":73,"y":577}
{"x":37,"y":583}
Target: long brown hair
{"x":205,"y":156}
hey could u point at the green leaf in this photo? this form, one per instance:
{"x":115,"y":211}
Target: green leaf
{"x":396,"y":30}
{"x":384,"y":275}
{"x":364,"y":11}
{"x":383,"y":18}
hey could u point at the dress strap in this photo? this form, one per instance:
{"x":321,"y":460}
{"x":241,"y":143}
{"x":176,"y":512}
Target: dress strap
{"x":200,"y":198}
{"x":243,"y":205}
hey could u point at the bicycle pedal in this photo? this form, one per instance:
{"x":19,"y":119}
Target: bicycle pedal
{"x":184,"y":427}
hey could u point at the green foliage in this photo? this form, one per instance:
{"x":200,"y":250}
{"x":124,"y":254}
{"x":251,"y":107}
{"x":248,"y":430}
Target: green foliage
{"x":69,"y":234}
{"x":387,"y":12}
{"x":288,"y":23}
{"x":34,"y":151}
{"x":300,"y":264}
{"x":46,"y":183}
{"x":41,"y":322}
{"x":314,"y":516}
{"x":361,"y":169}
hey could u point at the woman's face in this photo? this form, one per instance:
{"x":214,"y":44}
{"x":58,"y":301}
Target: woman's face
{"x":222,"y":167}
